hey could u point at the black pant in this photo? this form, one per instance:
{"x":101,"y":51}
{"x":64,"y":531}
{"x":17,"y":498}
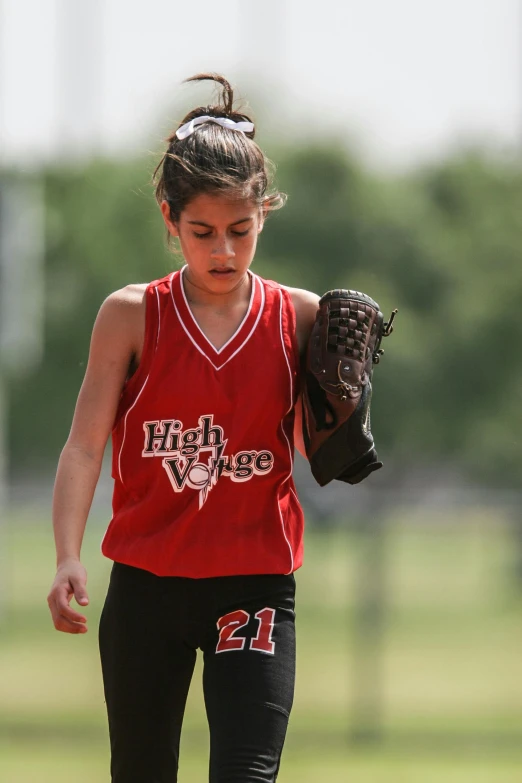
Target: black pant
{"x":150,"y":629}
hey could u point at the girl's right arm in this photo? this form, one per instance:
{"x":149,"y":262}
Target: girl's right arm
{"x":116,"y":344}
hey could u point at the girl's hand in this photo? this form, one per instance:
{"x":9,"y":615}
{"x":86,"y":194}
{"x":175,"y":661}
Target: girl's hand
{"x":70,"y":579}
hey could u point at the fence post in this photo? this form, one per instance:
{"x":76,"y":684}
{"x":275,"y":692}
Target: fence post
{"x":369,"y":624}
{"x":21,"y":311}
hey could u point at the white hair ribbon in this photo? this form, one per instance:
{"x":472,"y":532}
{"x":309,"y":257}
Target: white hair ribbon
{"x":189,"y":127}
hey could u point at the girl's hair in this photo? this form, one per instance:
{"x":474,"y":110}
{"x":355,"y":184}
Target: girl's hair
{"x":214,"y":159}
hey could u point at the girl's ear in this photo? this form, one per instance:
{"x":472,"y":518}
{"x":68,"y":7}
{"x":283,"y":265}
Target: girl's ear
{"x":172,"y":227}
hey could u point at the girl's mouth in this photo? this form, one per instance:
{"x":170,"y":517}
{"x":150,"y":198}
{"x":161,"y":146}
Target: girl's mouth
{"x":222,"y":273}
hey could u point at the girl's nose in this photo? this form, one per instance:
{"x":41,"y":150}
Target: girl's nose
{"x":223,"y":250}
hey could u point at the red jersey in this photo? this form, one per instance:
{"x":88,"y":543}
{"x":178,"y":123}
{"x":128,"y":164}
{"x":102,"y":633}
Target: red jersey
{"x":203,"y":443}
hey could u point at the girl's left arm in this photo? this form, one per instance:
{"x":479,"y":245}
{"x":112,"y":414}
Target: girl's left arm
{"x":306,"y":304}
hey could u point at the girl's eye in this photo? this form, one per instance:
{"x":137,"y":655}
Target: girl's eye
{"x":208,"y":233}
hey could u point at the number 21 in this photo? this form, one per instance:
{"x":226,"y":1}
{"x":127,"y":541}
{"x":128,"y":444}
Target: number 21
{"x":233,"y":621}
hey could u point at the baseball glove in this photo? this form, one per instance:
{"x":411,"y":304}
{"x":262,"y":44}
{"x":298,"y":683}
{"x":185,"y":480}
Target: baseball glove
{"x":344,"y":345}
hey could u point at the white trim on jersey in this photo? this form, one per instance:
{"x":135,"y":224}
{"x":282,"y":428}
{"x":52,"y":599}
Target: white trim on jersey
{"x":283,"y":429}
{"x":159,"y":316}
{"x":139,"y":395}
{"x":180,"y":319}
{"x":255,"y":281}
{"x":260,"y":313}
{"x":295,"y":496}
{"x":243,"y":320}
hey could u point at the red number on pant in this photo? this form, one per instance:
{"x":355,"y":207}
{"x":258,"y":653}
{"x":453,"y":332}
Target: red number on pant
{"x":233,"y":621}
{"x":227,"y":626}
{"x":263,"y":641}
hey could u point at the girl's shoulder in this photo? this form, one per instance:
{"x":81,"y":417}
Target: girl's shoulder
{"x":134,"y":295}
{"x":122,"y":315}
{"x":129,"y":297}
{"x":306,"y":304}
{"x":303,"y":300}
{"x":126,"y":304}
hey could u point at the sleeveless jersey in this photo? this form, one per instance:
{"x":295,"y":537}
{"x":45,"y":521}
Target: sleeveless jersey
{"x":203,"y":443}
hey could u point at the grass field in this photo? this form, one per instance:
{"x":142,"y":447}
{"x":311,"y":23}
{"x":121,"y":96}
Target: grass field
{"x":442,"y":681}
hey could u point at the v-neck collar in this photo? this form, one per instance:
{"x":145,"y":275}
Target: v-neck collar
{"x":217,"y":358}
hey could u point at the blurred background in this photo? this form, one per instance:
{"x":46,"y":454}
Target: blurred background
{"x":396,"y":128}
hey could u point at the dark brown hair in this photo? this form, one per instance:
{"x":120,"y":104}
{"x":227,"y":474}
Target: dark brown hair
{"x":214,"y":159}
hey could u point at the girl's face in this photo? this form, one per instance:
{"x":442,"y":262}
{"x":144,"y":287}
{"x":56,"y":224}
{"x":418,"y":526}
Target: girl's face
{"x":218,"y":238}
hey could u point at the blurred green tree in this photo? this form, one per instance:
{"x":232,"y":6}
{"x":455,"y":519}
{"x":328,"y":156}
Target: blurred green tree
{"x":442,"y":243}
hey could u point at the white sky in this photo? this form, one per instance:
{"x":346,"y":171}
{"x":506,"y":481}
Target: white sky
{"x":405,"y":78}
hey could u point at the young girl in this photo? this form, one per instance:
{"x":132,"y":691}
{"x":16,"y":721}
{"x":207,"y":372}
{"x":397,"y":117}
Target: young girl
{"x":197,"y":377}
